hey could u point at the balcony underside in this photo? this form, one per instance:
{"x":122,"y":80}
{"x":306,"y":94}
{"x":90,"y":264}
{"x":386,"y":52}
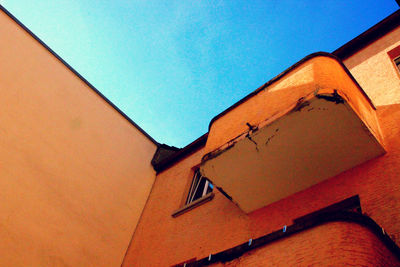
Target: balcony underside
{"x":316,"y":140}
{"x":308,"y":124}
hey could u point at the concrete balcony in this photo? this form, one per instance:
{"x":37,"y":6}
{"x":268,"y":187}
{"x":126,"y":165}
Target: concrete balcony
{"x":308,"y":124}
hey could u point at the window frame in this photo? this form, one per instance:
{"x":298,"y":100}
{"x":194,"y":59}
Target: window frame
{"x":189,"y":202}
{"x":394,"y":56}
{"x":196,"y":182}
{"x":397,"y":63}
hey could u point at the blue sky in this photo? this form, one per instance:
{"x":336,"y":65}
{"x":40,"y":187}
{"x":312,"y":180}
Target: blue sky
{"x":172,"y":66}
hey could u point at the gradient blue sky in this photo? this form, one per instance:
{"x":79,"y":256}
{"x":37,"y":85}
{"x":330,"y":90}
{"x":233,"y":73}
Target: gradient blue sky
{"x":173,"y":65}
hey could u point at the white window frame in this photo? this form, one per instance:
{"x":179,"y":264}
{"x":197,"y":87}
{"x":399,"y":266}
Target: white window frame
{"x":194,"y":188}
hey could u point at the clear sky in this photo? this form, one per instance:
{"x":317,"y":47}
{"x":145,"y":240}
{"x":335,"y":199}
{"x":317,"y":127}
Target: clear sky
{"x":172,"y":66}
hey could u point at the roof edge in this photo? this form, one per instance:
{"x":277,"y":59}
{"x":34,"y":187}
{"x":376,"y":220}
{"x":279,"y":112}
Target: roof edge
{"x":190,"y":148}
{"x":345,"y":51}
{"x":77,"y":74}
{"x":201,"y":141}
{"x":372,"y":34}
{"x":282,"y":74}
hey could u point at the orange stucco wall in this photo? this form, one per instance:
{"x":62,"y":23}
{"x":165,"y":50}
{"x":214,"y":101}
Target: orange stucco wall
{"x":374,"y":70}
{"x":161,"y":240}
{"x":74,"y":173}
{"x":354,"y":245}
{"x":320,"y":74}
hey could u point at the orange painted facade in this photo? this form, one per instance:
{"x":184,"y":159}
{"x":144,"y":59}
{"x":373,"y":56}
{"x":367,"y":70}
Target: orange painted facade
{"x":79,"y":188}
{"x":375,"y":72}
{"x":317,"y":74}
{"x":219,"y":225}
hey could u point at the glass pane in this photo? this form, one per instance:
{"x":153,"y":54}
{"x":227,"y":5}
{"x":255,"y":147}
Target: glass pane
{"x":198,"y":188}
{"x":210,"y":188}
{"x":193,"y":187}
{"x":199,"y":192}
{"x":397,"y":62}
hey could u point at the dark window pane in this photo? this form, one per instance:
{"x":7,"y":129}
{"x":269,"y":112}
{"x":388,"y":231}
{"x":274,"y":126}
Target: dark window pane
{"x":397,"y":62}
{"x":199,"y":192}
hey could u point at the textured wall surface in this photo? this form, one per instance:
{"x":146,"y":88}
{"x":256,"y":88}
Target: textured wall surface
{"x":219,"y":224}
{"x":332,"y":244}
{"x":74,"y":173}
{"x":375,"y":72}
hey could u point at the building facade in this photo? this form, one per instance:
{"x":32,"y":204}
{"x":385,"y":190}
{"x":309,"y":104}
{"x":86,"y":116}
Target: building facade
{"x":302,"y":171}
{"x":295,"y":181}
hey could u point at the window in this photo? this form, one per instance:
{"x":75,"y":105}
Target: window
{"x":200,"y":192}
{"x":397,"y":62}
{"x":394,"y":55}
{"x":200,"y":187}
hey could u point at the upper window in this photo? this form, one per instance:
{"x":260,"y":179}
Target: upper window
{"x":394,"y":55}
{"x":200,"y":187}
{"x":397,"y":62}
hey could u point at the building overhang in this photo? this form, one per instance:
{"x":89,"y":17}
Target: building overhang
{"x":310,"y":123}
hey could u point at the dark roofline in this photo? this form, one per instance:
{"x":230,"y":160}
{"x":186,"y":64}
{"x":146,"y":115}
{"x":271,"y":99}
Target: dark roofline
{"x":343,"y":52}
{"x":201,"y":141}
{"x":190,"y":148}
{"x":372,"y":34}
{"x":77,"y":74}
{"x":323,"y":218}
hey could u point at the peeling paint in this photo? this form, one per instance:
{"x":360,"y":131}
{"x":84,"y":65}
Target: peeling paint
{"x":269,"y":139}
{"x":335,"y":97}
{"x":300,"y":104}
{"x":248,"y":137}
{"x":218,"y":152}
{"x":251,"y":127}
